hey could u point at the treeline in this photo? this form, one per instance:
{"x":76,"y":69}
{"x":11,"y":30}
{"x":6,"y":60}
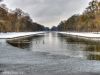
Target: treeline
{"x":17,"y":21}
{"x":88,"y":21}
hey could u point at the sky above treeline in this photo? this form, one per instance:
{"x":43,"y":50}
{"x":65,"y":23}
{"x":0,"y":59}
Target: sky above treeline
{"x":49,"y":12}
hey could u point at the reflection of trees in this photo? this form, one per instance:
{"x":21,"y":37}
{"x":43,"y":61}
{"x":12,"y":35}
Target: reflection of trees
{"x":21,"y":43}
{"x":78,"y":40}
{"x":92,"y":47}
{"x":24,"y":42}
{"x":93,"y":57}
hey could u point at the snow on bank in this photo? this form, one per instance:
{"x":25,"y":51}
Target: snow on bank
{"x":18,"y":34}
{"x":84,"y":35}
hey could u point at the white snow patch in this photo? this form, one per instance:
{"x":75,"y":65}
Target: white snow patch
{"x":84,"y":35}
{"x":18,"y":34}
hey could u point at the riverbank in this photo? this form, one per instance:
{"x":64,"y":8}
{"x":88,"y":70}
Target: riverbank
{"x":18,"y":34}
{"x":95,"y":36}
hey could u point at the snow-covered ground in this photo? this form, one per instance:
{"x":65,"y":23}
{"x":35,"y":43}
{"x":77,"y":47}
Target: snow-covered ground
{"x":84,"y":35}
{"x":18,"y":34}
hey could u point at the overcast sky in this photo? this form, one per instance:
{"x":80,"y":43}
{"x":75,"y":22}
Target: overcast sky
{"x":49,"y":12}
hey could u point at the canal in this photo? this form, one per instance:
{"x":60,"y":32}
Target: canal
{"x":49,"y":54}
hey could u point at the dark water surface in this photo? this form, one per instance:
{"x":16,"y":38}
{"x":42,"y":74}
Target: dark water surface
{"x":49,"y":54}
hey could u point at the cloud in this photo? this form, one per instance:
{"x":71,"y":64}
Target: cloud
{"x":49,"y":12}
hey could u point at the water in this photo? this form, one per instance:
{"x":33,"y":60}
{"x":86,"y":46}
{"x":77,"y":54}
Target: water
{"x":55,"y":44}
{"x":49,"y":54}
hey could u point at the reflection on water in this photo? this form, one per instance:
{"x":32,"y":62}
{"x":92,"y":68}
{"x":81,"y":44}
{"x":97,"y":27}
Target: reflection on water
{"x":94,"y":52}
{"x":92,"y":48}
{"x":21,"y":43}
{"x":56,"y":44}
